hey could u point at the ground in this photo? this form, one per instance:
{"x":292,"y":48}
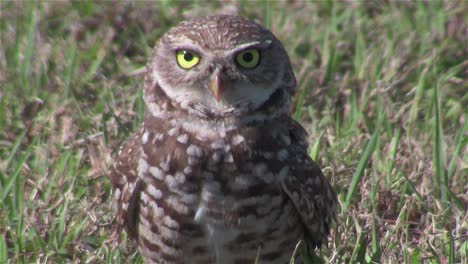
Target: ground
{"x":382,"y":92}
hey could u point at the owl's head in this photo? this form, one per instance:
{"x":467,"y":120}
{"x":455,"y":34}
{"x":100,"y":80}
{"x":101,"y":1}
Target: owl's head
{"x":219,"y":66}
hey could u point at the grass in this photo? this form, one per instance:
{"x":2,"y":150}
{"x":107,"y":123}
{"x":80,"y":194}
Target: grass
{"x":382,"y":92}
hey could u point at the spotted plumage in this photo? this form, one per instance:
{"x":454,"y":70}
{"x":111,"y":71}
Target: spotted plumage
{"x":219,"y":171}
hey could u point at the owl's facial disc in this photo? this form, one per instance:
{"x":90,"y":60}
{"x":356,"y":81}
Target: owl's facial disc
{"x":221,"y":66}
{"x":223,"y":82}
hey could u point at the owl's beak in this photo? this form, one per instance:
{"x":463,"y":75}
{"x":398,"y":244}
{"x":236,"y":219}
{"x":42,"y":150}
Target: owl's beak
{"x":216,"y":85}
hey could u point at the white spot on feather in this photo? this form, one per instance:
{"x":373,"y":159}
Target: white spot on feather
{"x":157,"y":137}
{"x":193,"y":150}
{"x":173,"y":131}
{"x":117,"y":193}
{"x":142,"y":168}
{"x":156,"y":172}
{"x":157,"y":194}
{"x":229,"y":158}
{"x":282,"y":154}
{"x":199,"y":214}
{"x":218,"y":144}
{"x":216,"y":156}
{"x":169,"y":222}
{"x":283,"y":173}
{"x":144,"y":139}
{"x":174,"y":203}
{"x":237,"y":139}
{"x":183,"y":138}
{"x":188,"y":170}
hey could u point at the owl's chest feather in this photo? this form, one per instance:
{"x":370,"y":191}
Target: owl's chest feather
{"x":223,"y":192}
{"x":216,"y":178}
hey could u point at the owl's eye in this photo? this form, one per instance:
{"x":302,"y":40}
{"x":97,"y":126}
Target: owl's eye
{"x":248,"y":59}
{"x":187,"y":59}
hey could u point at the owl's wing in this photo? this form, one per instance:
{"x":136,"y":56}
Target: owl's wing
{"x":127,"y":186}
{"x":311,"y":193}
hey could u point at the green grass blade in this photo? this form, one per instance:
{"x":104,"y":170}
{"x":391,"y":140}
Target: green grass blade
{"x":366,"y":154}
{"x":3,"y":250}
{"x":461,"y":141}
{"x":15,"y":148}
{"x":438,"y":155}
{"x":314,"y":150}
{"x":28,"y":52}
{"x":267,"y":13}
{"x":12,"y":179}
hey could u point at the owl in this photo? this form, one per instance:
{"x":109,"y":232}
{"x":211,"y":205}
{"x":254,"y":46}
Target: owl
{"x":219,"y":170}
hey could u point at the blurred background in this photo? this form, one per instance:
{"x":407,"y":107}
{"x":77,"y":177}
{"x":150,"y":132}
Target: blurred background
{"x":382,"y":91}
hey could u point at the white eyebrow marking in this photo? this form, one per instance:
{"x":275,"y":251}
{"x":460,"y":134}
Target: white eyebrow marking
{"x":183,"y":42}
{"x":259,"y":44}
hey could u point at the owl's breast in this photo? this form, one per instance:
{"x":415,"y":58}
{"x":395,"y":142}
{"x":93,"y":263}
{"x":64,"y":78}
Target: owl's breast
{"x":221,"y":196}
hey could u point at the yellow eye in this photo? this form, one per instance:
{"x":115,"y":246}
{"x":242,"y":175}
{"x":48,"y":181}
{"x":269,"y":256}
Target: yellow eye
{"x":187,"y":59}
{"x":248,"y":59}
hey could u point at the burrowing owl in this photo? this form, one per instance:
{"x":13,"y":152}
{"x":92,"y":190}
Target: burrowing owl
{"x":219,"y":171}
